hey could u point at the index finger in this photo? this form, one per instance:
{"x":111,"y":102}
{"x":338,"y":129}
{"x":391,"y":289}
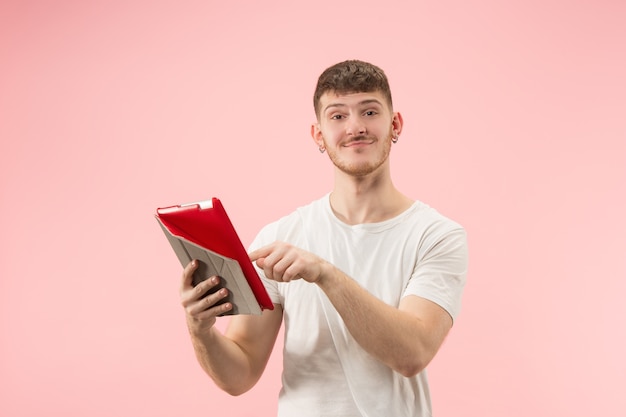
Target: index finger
{"x":261,"y":252}
{"x":188,"y":275}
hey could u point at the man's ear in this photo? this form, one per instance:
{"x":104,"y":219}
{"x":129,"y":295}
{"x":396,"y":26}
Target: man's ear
{"x":397,"y":123}
{"x":316,"y":134}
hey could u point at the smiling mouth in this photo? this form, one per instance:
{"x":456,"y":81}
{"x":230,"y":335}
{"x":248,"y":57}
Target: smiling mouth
{"x":360,"y":141}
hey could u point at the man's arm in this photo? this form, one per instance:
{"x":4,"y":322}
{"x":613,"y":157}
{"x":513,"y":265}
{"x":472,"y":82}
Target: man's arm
{"x":234,"y":360}
{"x":405,"y":338}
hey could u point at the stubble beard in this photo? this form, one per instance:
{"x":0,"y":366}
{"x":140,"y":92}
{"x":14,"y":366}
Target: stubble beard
{"x":361,"y":169}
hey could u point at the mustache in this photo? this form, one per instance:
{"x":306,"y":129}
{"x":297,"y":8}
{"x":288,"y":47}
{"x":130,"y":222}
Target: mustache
{"x":362,"y":138}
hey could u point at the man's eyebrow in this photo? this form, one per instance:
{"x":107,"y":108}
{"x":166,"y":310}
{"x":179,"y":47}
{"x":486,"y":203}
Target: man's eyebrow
{"x":360,"y":103}
{"x":370,"y":101}
{"x":331,"y":105}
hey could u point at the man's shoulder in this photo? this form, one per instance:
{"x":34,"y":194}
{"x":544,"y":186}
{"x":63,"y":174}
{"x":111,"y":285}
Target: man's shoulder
{"x":428,"y":216}
{"x":284,"y":227}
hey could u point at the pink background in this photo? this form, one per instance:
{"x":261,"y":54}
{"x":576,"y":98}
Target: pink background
{"x":515,"y":126}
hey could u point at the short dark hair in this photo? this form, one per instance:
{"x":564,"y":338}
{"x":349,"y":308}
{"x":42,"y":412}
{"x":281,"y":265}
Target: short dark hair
{"x":351,"y":76}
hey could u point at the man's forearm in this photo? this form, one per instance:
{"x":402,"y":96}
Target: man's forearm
{"x":224,"y":361}
{"x":405,"y":341}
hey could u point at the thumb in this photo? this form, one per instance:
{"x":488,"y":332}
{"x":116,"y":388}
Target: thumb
{"x":260,"y":262}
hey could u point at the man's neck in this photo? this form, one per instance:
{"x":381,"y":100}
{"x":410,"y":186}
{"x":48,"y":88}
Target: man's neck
{"x":370,"y":199}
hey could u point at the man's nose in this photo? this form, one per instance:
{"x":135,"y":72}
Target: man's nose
{"x":356,"y":127}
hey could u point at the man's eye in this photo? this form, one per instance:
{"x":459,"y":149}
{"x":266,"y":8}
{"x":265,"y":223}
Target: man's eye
{"x":336,"y":117}
{"x":370,"y":113}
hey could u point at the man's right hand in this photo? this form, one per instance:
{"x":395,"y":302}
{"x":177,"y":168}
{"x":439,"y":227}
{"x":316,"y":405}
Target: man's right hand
{"x":201,"y":310}
{"x":235,"y":359}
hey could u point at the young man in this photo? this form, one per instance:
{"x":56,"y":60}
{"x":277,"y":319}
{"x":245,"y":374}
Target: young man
{"x":367,"y":280}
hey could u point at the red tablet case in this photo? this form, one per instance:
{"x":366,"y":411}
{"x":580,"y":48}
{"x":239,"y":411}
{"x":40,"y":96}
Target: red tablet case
{"x":203,"y":231}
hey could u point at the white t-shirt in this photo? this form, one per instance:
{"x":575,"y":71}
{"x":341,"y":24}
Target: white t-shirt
{"x":325,"y":371}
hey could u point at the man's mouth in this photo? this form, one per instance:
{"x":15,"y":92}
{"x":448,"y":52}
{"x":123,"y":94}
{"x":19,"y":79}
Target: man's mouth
{"x":360,"y":140}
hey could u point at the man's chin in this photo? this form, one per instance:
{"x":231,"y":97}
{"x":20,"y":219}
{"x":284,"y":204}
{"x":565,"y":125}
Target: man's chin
{"x":358,"y":170}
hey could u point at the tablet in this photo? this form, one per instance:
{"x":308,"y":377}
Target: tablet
{"x":203,"y":231}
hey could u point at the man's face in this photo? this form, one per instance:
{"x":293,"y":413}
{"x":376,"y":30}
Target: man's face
{"x":356,"y":130}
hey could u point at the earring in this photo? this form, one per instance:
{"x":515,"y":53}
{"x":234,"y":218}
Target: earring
{"x":395,"y":138}
{"x":322,"y":149}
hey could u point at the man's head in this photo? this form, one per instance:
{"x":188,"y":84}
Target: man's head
{"x":356,"y":123}
{"x":352,"y":76}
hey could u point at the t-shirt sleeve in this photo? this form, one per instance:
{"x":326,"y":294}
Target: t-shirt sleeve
{"x":440,"y":273}
{"x":265,"y":237}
